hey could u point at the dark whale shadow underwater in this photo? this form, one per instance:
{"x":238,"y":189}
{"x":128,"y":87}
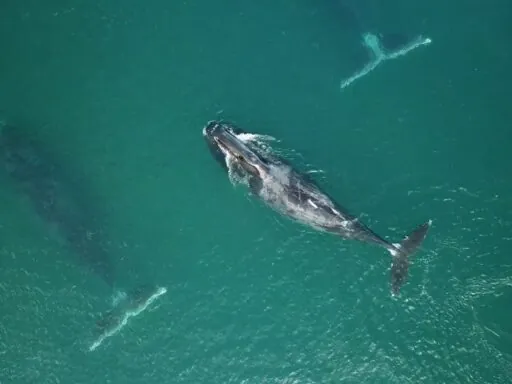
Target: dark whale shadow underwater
{"x":61,"y":203}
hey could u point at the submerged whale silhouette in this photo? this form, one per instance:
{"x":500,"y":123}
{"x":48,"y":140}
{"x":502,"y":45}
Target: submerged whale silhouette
{"x":61,"y":203}
{"x":56,"y":201}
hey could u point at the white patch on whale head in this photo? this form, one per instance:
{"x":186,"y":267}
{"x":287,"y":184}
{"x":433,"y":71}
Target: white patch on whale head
{"x":310,"y":202}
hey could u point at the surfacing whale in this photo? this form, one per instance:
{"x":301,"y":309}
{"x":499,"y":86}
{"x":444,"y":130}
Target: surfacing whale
{"x":297,"y":196}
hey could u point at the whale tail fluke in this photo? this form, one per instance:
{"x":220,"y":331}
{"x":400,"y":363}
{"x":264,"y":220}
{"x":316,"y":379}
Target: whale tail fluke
{"x":411,"y":242}
{"x":129,"y":305}
{"x":401,"y":253}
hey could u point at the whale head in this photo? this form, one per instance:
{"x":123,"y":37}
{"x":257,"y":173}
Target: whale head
{"x":224,"y":143}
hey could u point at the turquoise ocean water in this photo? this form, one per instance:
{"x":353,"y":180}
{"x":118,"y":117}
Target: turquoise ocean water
{"x":119,"y":91}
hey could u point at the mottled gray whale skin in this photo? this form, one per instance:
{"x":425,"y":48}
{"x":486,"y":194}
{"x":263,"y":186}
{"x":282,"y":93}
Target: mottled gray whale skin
{"x":298,"y":197}
{"x":54,"y":199}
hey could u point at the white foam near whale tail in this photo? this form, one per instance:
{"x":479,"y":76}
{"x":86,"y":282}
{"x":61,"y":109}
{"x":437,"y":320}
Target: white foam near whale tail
{"x":379,"y":55}
{"x":121,"y":318}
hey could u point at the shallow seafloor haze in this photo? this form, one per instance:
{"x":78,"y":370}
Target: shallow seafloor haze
{"x":120,"y":91}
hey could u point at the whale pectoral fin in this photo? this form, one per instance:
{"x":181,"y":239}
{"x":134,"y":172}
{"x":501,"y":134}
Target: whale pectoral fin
{"x":236,"y":169}
{"x":255,"y":185}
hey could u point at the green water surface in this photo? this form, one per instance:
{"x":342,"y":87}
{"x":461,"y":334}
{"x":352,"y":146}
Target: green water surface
{"x":120,"y":91}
